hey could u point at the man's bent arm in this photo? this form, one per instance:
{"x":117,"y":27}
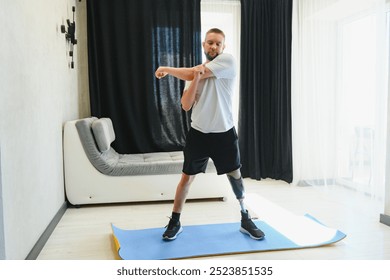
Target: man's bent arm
{"x":188,"y":97}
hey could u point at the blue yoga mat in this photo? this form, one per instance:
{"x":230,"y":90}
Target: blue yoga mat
{"x":203,"y":240}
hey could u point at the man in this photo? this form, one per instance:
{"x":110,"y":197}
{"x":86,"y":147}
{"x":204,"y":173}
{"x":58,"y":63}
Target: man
{"x":208,"y":91}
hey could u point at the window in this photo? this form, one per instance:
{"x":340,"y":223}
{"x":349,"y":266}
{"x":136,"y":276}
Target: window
{"x":339,"y":93}
{"x":362,"y":102}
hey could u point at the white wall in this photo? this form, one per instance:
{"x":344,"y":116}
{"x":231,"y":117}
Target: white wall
{"x":387,"y":179}
{"x":387,"y":182}
{"x":38,"y":93}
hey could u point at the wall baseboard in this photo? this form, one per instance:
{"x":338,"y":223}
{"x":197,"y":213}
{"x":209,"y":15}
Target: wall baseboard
{"x":385,"y":219}
{"x":34,"y":253}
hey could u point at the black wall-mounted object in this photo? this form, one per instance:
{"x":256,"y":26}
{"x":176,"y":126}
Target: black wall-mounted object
{"x":70,"y":35}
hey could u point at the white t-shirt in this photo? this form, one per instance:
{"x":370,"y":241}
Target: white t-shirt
{"x":212,"y":110}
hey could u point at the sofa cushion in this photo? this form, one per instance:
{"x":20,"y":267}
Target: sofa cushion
{"x":112,"y":163}
{"x":103,"y":132}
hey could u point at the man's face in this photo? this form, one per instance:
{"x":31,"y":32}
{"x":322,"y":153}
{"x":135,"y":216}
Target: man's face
{"x":213,"y":45}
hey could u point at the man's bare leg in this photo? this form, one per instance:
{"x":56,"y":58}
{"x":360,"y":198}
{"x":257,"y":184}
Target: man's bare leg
{"x":182,"y":191}
{"x":174,"y":226}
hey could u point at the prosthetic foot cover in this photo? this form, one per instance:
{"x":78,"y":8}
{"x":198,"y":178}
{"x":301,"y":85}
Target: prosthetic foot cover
{"x":249,"y":227}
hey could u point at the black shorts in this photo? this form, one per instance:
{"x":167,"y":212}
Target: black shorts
{"x":222,"y":148}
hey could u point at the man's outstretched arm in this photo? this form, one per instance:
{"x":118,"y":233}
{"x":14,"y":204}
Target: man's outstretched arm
{"x":182,"y":73}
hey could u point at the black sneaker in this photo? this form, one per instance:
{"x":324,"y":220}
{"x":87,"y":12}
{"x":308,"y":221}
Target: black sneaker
{"x":249,"y":227}
{"x":172,"y":230}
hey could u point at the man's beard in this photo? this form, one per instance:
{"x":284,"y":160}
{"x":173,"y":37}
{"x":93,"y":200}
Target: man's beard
{"x":209,"y":57}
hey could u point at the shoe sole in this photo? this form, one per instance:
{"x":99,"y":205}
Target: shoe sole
{"x":251,"y":236}
{"x":173,"y":237}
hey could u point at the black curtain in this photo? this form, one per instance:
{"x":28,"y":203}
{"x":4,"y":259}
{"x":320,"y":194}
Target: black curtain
{"x":265,"y":90}
{"x":127,"y":41}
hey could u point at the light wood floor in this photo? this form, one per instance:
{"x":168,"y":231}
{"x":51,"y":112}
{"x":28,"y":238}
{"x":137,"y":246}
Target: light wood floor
{"x":85,"y":233}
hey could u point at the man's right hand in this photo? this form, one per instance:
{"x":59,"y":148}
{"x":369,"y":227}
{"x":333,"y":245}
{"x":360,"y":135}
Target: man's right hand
{"x":160,"y":73}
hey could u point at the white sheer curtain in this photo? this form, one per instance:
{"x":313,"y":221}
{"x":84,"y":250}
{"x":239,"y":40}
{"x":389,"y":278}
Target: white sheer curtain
{"x":339,"y":93}
{"x":225,"y":15}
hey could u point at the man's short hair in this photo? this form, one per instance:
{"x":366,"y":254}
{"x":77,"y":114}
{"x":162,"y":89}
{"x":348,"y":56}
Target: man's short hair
{"x":216,"y":30}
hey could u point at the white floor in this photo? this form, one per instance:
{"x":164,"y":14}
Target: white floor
{"x":85,"y":233}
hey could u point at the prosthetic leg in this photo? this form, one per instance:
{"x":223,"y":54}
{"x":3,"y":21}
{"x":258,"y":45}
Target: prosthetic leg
{"x":247,"y":225}
{"x":238,"y":187}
